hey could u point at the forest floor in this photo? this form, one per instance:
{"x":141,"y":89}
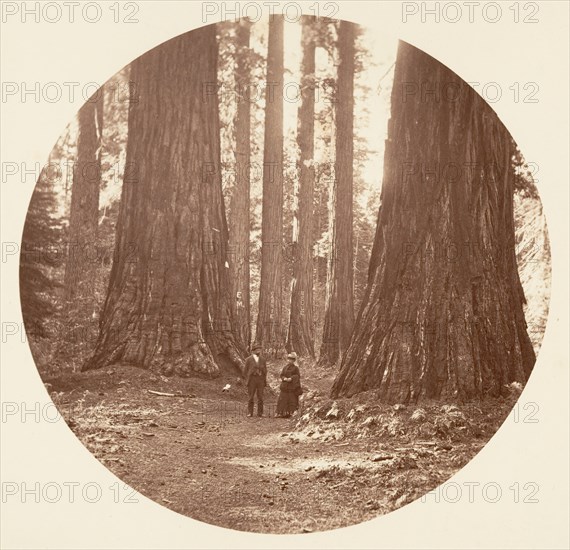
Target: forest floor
{"x":334,"y":464}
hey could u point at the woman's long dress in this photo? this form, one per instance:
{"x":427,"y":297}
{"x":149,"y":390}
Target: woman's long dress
{"x":288,"y":401}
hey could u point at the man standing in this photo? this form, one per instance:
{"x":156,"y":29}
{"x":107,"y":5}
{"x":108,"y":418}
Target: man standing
{"x":255,"y":379}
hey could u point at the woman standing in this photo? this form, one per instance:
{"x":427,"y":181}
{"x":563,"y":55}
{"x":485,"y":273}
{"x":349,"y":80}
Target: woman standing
{"x":290,"y":388}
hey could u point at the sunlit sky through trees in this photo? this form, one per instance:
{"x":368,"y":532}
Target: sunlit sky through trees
{"x":373,"y":82}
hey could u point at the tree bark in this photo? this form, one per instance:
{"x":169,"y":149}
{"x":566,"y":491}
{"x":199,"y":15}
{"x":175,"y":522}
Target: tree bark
{"x":300,"y":336}
{"x":168,"y":303}
{"x":339,"y":305}
{"x":442,"y":317}
{"x":269,"y":329}
{"x":239,"y":223}
{"x":84,"y":208}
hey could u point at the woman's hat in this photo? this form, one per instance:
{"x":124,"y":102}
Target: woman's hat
{"x":292,"y":355}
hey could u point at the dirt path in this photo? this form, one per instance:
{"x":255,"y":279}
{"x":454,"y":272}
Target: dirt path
{"x":207,"y":460}
{"x":200,"y":455}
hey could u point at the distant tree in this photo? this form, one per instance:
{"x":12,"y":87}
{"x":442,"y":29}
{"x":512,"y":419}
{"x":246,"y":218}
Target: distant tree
{"x":300,"y":336}
{"x":239,"y":216}
{"x":365,"y":212}
{"x":524,"y":182}
{"x":339,"y":306}
{"x":84,"y":210}
{"x":40,"y":253}
{"x":325,"y":33}
{"x":269,"y":329}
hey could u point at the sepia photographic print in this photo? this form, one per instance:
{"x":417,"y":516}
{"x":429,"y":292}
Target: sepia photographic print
{"x":285,"y":275}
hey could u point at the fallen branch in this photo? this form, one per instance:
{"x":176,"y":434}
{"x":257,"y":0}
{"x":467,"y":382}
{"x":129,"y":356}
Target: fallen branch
{"x":164,"y":394}
{"x":161,"y":393}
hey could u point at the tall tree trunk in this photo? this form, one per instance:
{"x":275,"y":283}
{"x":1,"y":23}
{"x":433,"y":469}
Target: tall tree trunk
{"x":339,"y":305}
{"x":84,"y":209}
{"x":269,"y":330}
{"x":239,"y":203}
{"x":168,"y":303}
{"x":442,"y":316}
{"x":300,"y":336}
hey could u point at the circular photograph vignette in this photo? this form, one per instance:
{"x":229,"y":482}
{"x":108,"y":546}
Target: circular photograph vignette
{"x":285,"y":277}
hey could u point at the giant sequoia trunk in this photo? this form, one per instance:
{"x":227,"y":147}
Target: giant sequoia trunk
{"x":84,"y":209}
{"x":300,"y":336}
{"x":239,"y":203}
{"x":168,"y":300}
{"x":339,"y":304}
{"x":269,"y":329}
{"x":442,"y":316}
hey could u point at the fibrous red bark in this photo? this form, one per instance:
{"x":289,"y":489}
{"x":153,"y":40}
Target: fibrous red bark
{"x":168,"y":303}
{"x":442,"y":316}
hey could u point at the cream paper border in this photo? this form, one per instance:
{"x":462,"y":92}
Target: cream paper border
{"x":503,"y":52}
